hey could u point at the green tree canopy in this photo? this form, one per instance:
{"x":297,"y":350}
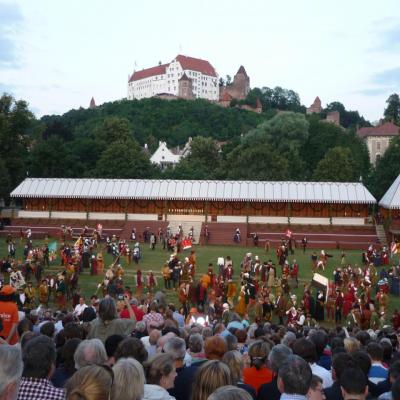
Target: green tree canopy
{"x":336,"y":166}
{"x":392,"y":111}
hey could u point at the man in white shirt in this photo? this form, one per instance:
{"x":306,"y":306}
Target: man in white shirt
{"x":80,"y":307}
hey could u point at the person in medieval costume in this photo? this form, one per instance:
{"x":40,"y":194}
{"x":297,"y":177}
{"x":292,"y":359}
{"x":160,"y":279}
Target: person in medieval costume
{"x":176,"y":275}
{"x":16,"y":278}
{"x":383,"y":300}
{"x":139,"y":283}
{"x":320,"y":306}
{"x":166,"y":274}
{"x":338,"y":306}
{"x":271,"y":274}
{"x":100,"y":263}
{"x":294,"y":272}
{"x":60,"y":292}
{"x":151,"y":282}
{"x":241,"y":303}
{"x":93,"y":265}
{"x":292,"y":317}
{"x":330,"y":305}
{"x":183,"y":297}
{"x":127,"y":254}
{"x":136,"y":253}
{"x":30,"y":296}
{"x":231,"y":293}
{"x":44,"y":293}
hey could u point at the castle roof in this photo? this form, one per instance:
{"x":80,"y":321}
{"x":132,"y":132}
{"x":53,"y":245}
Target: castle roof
{"x":184,"y":77}
{"x":196,"y":64}
{"x":386,"y":129}
{"x":241,"y":70}
{"x":92,"y":103}
{"x":391,"y":199}
{"x":146,"y":73}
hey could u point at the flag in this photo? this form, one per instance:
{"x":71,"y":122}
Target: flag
{"x":186,"y":244}
{"x":53,"y":246}
{"x":289,"y":233}
{"x":99,"y":227}
{"x":393,"y":248}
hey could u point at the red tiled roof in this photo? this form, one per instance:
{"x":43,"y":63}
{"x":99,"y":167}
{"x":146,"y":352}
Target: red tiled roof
{"x":146,"y":73}
{"x":241,"y":70}
{"x":386,"y":129}
{"x":196,"y":64}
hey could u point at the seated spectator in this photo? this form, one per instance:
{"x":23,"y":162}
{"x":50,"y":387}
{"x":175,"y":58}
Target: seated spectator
{"x":277,"y":356}
{"x":353,"y":383}
{"x":93,"y":382}
{"x":160,"y":376}
{"x":234,"y":360}
{"x":131,"y":347}
{"x":305,"y":348}
{"x":210,"y":376}
{"x":90,"y":352}
{"x":258,"y":373}
{"x":316,"y":391}
{"x":378,"y":371}
{"x":229,"y":393}
{"x":10,"y":371}
{"x":67,"y":367}
{"x":215,"y":347}
{"x":294,"y":378}
{"x":129,"y":380}
{"x":108,"y":323}
{"x":39,"y":357}
{"x":111,"y":345}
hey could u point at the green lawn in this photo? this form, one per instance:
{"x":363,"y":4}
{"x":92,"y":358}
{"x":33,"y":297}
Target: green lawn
{"x":154,"y":260}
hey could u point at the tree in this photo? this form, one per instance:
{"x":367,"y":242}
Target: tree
{"x":114,"y":129}
{"x":228,"y":80}
{"x":336,"y":166}
{"x":387,"y":169}
{"x":347,"y":118}
{"x":392,"y":111}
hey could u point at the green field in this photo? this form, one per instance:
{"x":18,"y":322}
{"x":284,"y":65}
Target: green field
{"x":154,"y":260}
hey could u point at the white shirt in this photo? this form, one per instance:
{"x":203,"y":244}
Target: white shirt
{"x":323,"y":373}
{"x":79,"y":309}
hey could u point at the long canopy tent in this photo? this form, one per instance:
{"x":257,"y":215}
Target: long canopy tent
{"x":194,"y":197}
{"x":389,"y":207}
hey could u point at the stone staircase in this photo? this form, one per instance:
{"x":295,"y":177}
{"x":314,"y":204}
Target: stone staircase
{"x":186,"y":225}
{"x":380,"y":232}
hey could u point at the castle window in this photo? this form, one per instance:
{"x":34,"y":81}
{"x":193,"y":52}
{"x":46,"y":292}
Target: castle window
{"x":378,"y":145}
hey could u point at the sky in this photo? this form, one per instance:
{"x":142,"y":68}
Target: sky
{"x":58,"y":54}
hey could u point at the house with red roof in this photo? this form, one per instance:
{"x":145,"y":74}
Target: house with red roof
{"x":184,"y":76}
{"x":378,"y":138}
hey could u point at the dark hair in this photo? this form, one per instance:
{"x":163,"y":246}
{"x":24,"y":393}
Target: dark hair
{"x":131,"y":347}
{"x":396,"y":389}
{"x":73,"y":330}
{"x":394,"y":370}
{"x":387,"y":350}
{"x":375,"y":351}
{"x":67,"y":354}
{"x":39,"y":355}
{"x":24,"y":325}
{"x":363,"y":337}
{"x":337,"y":341}
{"x":305,"y":349}
{"x":48,"y":329}
{"x":320,"y":340}
{"x":88,"y":314}
{"x":112,"y":343}
{"x":340,"y":361}
{"x":258,"y":352}
{"x":353,"y":381}
{"x":315,"y":381}
{"x":296,"y":375}
{"x":362,"y":360}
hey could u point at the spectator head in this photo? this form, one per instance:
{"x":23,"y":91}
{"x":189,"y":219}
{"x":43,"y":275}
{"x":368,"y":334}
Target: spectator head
{"x":394,"y":371}
{"x":73,"y":330}
{"x":353,"y":383}
{"x":320,"y":340}
{"x":48,"y":329}
{"x":107,"y":309}
{"x":241,"y":335}
{"x":215,"y":347}
{"x":351,"y":344}
{"x":131,"y":347}
{"x":316,"y":392}
{"x":387,"y":349}
{"x":258,"y":352}
{"x":278,"y":355}
{"x":375,"y":351}
{"x":140,"y":326}
{"x":92,"y":382}
{"x":294,"y":376}
{"x":10,"y":371}
{"x":341,"y":361}
{"x":154,"y":337}
{"x":362,"y":361}
{"x":88,"y":314}
{"x":230,"y":392}
{"x":176,"y":347}
{"x":305,"y":349}
{"x":234,"y":360}
{"x":363,"y":337}
{"x":196,"y":343}
{"x":231,"y":342}
{"x":288,"y":339}
{"x":160,"y":370}
{"x":396,"y":390}
{"x":90,"y":352}
{"x":25,"y":325}
{"x":210,"y":376}
{"x":39,"y":356}
{"x":111,"y":344}
{"x":129,"y":380}
{"x":68,"y":352}
{"x":207,"y":332}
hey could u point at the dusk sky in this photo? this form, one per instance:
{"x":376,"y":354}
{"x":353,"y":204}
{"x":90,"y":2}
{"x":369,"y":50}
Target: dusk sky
{"x":58,"y":54}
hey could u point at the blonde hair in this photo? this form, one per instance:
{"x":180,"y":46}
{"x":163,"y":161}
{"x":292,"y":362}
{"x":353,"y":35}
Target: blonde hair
{"x":90,"y":383}
{"x":210,"y":376}
{"x":234,"y":360}
{"x":351,"y":344}
{"x":157,"y":367}
{"x":129,"y":380}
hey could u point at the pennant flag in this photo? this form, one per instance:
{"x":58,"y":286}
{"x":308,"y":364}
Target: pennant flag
{"x":393,"y":248}
{"x":186,"y":244}
{"x":289,"y":233}
{"x":53,"y":246}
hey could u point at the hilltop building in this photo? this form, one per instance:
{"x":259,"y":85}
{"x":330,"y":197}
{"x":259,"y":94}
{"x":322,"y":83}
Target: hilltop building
{"x":185,"y":77}
{"x":315,"y":107}
{"x":238,"y":89}
{"x":92,"y":103}
{"x":378,"y":138}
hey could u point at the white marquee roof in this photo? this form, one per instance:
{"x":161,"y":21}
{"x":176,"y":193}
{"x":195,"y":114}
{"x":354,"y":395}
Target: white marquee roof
{"x":391,"y":199}
{"x":326,"y":192}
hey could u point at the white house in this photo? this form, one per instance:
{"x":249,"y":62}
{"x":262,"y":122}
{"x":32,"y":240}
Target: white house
{"x":164,"y":157}
{"x":164,"y":79}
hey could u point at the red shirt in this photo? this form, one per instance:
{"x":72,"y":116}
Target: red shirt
{"x":9,"y":315}
{"x":255,"y":378}
{"x":137,"y":311}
